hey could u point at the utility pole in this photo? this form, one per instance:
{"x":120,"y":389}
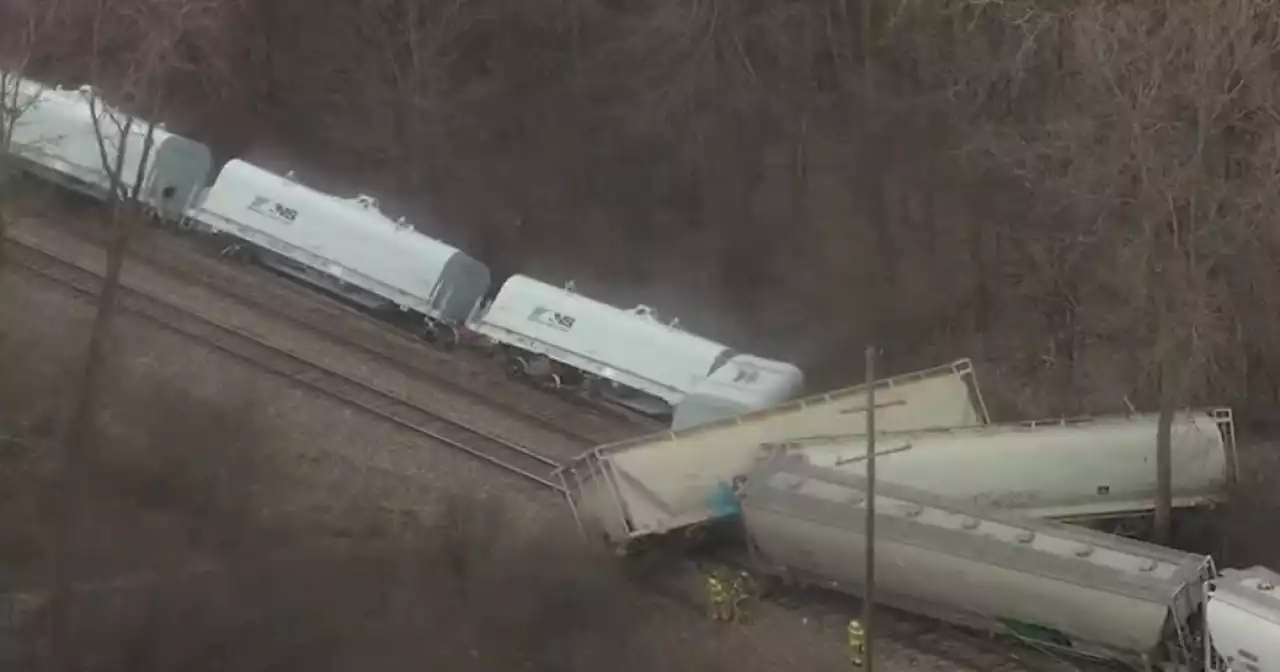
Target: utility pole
{"x":868,"y":598}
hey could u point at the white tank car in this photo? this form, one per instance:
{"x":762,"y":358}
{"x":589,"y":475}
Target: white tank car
{"x":1061,"y":586}
{"x":546,"y":329}
{"x":1077,"y":470}
{"x":344,"y":245}
{"x":654,"y":484}
{"x":1243,"y":616}
{"x":55,"y":135}
{"x":747,"y":383}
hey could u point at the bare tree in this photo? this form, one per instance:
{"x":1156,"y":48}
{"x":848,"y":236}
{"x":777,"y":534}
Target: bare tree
{"x":135,"y":49}
{"x":16,"y":95}
{"x":1147,"y":159}
{"x":13,"y":102}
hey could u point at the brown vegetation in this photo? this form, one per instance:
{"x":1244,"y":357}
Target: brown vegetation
{"x":187,"y":557}
{"x":1077,"y":194}
{"x":129,"y":48}
{"x":1080,"y":195}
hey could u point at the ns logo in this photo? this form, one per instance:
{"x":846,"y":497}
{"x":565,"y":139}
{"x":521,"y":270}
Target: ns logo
{"x":275,"y":210}
{"x":551,"y":318}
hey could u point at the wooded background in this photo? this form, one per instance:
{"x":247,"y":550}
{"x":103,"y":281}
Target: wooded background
{"x":1078,"y":195}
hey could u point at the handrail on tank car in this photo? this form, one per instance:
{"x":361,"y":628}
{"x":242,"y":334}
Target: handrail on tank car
{"x":1224,"y":417}
{"x":1077,"y":419}
{"x":1219,"y":416}
{"x":960,"y":366}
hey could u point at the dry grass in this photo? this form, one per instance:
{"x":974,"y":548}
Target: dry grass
{"x":186,"y":560}
{"x":394,"y":598}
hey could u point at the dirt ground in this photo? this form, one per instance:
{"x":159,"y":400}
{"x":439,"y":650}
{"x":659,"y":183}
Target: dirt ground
{"x":48,"y":326}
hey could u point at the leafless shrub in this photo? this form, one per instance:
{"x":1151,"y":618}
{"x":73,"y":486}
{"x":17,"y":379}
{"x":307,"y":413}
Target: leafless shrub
{"x":32,"y":389}
{"x":525,"y":598}
{"x":176,"y":482}
{"x":199,"y":461}
{"x":21,"y":26}
{"x":187,"y":560}
{"x":32,"y":386}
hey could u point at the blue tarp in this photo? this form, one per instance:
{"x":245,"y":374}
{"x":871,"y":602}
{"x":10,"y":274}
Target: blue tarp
{"x":723,"y":502}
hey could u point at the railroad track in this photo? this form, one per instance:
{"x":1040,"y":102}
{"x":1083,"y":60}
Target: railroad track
{"x":478,"y":443}
{"x":384,"y":342}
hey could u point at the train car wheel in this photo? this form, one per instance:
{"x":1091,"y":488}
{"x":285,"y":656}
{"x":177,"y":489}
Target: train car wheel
{"x":452,"y":338}
{"x":517,"y":368}
{"x":440,"y":335}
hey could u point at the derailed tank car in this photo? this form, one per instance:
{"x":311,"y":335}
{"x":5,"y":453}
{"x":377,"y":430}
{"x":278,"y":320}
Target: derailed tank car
{"x":1085,"y":469}
{"x":559,"y":336}
{"x":649,"y":486}
{"x":347,"y":246}
{"x":1064,"y":587}
{"x":746,"y":384}
{"x":1243,"y":617}
{"x":56,"y":137}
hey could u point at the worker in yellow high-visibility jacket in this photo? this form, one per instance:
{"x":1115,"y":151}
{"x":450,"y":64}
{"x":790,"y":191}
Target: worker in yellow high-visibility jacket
{"x":741,"y":590}
{"x":718,"y":595}
{"x":857,"y":642}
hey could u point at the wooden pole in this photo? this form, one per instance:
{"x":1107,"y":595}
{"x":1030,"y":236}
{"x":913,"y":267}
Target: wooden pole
{"x":868,"y":600}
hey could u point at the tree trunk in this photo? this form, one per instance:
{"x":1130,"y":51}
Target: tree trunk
{"x":77,"y":454}
{"x":1163,"y":528}
{"x":6,"y":179}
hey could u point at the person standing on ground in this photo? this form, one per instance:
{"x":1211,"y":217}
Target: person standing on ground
{"x":717,"y":595}
{"x":742,"y":591}
{"x":857,"y":642}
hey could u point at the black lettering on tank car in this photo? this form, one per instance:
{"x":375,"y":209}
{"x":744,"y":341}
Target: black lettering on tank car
{"x":285,"y":213}
{"x":266,"y":207}
{"x":553,"y":319}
